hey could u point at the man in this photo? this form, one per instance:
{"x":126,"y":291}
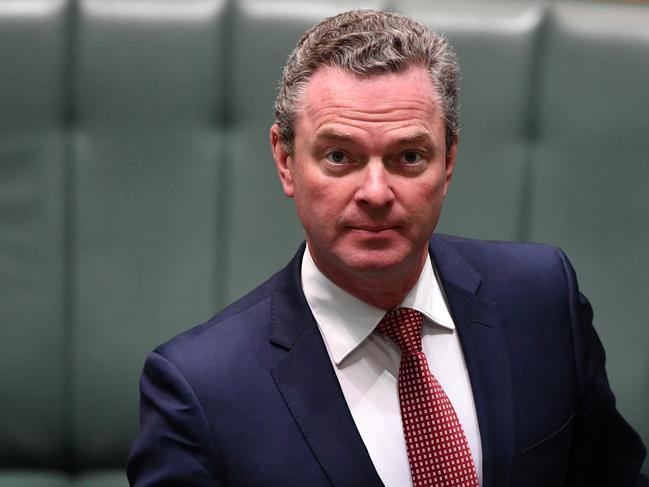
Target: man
{"x":384,"y":355}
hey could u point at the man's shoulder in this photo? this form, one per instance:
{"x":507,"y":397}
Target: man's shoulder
{"x":501,"y":262}
{"x":481,"y":252}
{"x":245,"y":319}
{"x":493,"y":247}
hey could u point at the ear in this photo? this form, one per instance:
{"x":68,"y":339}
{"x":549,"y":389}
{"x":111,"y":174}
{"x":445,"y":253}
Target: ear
{"x":451,"y":155}
{"x":282,"y":161}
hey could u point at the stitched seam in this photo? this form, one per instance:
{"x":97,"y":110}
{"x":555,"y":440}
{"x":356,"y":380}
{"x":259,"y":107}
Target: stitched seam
{"x":212,"y":322}
{"x":466,"y":261}
{"x":273,"y":318}
{"x":510,"y":377}
{"x":560,"y":256}
{"x":243,"y":310}
{"x":307,"y":437}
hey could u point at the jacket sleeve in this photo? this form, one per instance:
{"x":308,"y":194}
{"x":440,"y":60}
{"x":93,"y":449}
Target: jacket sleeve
{"x":606,"y":451}
{"x":175,"y":445}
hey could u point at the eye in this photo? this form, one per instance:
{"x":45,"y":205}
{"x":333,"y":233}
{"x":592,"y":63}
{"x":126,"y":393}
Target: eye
{"x":411,"y":157}
{"x":336,"y":157}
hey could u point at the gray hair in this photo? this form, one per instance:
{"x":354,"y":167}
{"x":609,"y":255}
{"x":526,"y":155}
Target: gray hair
{"x":368,"y":43}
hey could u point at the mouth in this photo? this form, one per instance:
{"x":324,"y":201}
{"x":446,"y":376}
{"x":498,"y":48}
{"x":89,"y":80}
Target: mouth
{"x":373,"y":229}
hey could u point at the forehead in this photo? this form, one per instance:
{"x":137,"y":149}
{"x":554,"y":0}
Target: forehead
{"x":334,"y":96}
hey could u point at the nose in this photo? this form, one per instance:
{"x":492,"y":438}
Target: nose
{"x":375,"y":188}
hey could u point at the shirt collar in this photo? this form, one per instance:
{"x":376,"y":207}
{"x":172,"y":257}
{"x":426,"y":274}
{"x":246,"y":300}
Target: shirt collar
{"x":345,"y":321}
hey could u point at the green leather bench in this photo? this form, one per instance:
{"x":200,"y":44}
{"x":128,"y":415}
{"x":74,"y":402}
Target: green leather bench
{"x":138,"y":194}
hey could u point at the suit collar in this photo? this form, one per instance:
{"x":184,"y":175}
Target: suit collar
{"x":453,"y":266}
{"x":290,"y":313}
{"x":484,"y":343}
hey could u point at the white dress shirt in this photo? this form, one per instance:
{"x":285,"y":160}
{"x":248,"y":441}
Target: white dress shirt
{"x":367,"y":365}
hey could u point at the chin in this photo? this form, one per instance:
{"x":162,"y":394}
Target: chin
{"x":376,"y":262}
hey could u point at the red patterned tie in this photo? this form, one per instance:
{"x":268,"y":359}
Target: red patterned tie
{"x":438,"y":451}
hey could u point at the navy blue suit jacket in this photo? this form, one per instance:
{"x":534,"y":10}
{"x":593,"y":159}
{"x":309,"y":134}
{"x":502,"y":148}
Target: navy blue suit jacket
{"x":250,"y":398}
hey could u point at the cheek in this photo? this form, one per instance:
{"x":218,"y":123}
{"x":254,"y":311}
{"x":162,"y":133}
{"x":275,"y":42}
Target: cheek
{"x":310,"y":197}
{"x":325,"y":194}
{"x":425,"y":204}
{"x":426,"y":196}
{"x":315,"y":207}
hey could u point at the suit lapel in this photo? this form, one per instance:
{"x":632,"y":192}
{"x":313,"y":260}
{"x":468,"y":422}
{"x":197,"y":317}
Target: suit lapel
{"x":307,"y":382}
{"x":484,"y":345}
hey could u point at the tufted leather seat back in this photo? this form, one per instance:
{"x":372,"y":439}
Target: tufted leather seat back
{"x":138,"y":193}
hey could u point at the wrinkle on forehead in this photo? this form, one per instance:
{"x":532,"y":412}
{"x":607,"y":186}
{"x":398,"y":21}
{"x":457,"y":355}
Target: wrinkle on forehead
{"x":387,"y":113}
{"x":330,"y":96}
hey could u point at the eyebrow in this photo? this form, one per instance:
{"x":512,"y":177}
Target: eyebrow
{"x":333,"y":134}
{"x":417,"y":138}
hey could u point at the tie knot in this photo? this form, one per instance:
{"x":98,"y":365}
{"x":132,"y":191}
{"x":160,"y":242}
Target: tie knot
{"x":403,"y":327}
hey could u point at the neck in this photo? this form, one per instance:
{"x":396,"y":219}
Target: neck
{"x":378,"y":297}
{"x":384,"y":289}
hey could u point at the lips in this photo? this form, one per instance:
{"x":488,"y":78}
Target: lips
{"x":373,"y":228}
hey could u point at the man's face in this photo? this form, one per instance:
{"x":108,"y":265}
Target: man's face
{"x":368,"y":172}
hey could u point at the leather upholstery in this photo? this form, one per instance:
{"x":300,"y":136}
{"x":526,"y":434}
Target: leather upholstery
{"x":134,"y":170}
